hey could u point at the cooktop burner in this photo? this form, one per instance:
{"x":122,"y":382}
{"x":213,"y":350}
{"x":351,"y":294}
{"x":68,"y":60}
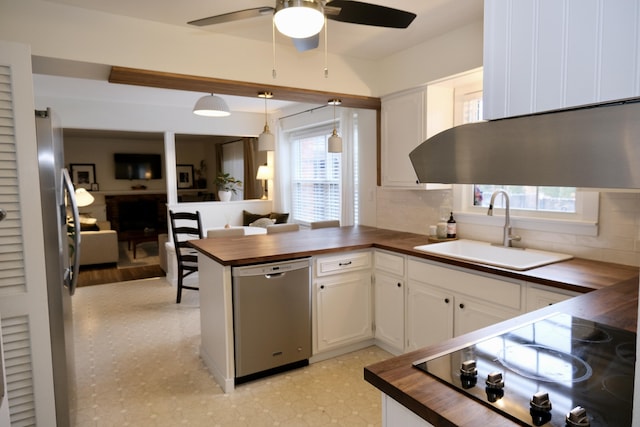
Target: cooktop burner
{"x":558,"y":371}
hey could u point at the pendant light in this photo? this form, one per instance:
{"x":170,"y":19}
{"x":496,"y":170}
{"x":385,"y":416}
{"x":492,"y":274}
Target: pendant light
{"x":266,"y":140}
{"x":335,"y":142}
{"x":298,"y":18}
{"x":211,"y":106}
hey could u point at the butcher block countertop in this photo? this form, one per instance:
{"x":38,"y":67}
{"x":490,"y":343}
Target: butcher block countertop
{"x":578,"y":275}
{"x":614,"y":303}
{"x":441,"y":405}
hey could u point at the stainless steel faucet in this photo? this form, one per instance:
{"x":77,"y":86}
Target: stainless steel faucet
{"x":507,"y":237}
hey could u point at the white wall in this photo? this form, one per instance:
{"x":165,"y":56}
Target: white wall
{"x":77,"y":34}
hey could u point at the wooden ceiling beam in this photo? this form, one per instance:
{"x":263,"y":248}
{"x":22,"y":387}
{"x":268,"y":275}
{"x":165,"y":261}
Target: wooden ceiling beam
{"x":139,"y":77}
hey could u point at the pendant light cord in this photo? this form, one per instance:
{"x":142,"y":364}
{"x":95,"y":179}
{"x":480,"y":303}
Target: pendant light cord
{"x":326,"y":61}
{"x":273,"y":43}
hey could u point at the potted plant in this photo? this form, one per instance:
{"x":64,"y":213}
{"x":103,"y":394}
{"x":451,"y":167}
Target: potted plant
{"x":227,"y":185}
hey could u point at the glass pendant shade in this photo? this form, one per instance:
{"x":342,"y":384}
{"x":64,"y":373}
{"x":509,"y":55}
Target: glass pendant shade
{"x":335,"y":143}
{"x":266,"y":140}
{"x":299,"y":18}
{"x":211,"y":106}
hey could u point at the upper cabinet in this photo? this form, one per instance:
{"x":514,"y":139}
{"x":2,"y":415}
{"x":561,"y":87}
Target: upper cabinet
{"x":547,"y":54}
{"x":408,"y":118}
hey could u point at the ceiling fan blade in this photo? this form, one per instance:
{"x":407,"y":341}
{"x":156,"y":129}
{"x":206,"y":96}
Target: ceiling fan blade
{"x":307,"y":43}
{"x":356,"y":12}
{"x":233,"y":16}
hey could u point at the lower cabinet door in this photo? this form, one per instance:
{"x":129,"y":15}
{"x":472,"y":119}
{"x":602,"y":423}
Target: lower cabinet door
{"x":429,"y":315}
{"x":343,"y":304}
{"x":389,"y":310}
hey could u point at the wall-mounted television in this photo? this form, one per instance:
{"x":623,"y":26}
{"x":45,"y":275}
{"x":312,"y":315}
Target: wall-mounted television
{"x":138,"y":166}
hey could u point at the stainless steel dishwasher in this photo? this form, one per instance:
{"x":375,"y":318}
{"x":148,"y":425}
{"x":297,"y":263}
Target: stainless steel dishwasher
{"x":271,"y":317}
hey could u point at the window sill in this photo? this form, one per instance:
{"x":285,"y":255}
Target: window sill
{"x":581,"y":228}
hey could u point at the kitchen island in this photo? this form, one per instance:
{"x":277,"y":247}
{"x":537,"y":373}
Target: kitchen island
{"x":218,"y":256}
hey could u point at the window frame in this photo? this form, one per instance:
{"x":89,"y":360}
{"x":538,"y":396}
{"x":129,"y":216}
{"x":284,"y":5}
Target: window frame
{"x":319,"y":130}
{"x":583,"y":222}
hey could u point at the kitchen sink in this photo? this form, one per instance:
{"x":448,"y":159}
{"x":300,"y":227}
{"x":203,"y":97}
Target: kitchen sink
{"x":499,"y":256}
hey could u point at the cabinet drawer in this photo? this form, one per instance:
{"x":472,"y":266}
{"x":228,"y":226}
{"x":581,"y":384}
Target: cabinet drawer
{"x":481,"y":287}
{"x":353,"y":261}
{"x":390,"y":263}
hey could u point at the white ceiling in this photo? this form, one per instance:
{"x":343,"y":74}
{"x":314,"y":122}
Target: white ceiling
{"x":77,"y":80}
{"x":434,"y":17}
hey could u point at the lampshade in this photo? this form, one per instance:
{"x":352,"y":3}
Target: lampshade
{"x":211,"y":106}
{"x":264,"y":172}
{"x":299,"y":18}
{"x":83,"y":197}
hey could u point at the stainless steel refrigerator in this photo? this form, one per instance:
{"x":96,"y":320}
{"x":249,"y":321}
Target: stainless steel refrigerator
{"x":62,"y":250}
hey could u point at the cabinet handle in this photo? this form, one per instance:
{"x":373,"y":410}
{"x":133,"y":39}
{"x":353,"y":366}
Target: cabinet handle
{"x":321,"y":286}
{"x":343,"y":264}
{"x":446,"y":300}
{"x":399,"y":284}
{"x":461,"y":305}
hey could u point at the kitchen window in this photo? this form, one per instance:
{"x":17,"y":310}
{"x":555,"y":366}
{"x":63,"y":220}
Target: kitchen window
{"x":554,"y":209}
{"x":316,"y":190}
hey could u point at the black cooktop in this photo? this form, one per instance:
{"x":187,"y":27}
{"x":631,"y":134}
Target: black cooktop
{"x":557,"y":371}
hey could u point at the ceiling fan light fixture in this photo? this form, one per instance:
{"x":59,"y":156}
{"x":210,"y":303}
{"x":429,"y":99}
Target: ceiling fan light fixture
{"x":266,"y":140}
{"x":211,"y":106}
{"x":299,"y":18}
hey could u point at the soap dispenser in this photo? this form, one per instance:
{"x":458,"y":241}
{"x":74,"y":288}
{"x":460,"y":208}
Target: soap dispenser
{"x":451,"y":227}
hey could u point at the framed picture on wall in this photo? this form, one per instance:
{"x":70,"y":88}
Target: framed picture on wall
{"x":83,"y":175}
{"x":184,"y":174}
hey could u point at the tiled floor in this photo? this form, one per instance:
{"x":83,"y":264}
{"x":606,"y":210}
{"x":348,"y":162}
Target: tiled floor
{"x":137,"y":364}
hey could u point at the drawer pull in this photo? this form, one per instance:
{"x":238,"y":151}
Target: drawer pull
{"x":344,"y":264}
{"x":461,"y":305}
{"x":446,"y":300}
{"x":321,"y":286}
{"x":399,"y":284}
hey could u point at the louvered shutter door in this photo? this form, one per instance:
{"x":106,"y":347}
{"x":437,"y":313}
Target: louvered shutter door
{"x":23,"y":298}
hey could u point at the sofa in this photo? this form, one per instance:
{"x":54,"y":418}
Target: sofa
{"x":98,"y":244}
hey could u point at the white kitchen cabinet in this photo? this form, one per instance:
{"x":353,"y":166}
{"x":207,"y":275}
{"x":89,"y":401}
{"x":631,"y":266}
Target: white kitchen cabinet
{"x":406,"y":123}
{"x":544,"y":55}
{"x":429,"y":315}
{"x":389,"y":300}
{"x":539,"y":296}
{"x":342,"y":300}
{"x":443,"y":302}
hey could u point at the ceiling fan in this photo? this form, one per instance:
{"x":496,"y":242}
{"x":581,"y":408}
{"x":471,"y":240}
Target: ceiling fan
{"x":302,"y":20}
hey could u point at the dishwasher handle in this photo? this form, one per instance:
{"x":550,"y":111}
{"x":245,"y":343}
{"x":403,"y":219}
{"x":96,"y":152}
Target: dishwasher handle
{"x":274,"y":275}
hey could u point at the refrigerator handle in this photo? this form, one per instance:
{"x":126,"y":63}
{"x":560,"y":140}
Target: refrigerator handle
{"x":71,"y":275}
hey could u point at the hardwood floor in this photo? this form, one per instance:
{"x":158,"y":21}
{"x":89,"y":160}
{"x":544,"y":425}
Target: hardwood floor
{"x":98,"y":275}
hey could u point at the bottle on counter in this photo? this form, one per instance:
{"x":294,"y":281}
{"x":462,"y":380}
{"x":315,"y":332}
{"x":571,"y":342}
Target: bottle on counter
{"x":451,"y":227}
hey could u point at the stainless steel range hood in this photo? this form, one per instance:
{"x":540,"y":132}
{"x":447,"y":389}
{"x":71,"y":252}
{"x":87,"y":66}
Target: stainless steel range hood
{"x":596,"y":146}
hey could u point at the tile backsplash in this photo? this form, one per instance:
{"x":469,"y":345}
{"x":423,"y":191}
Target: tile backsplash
{"x":618,"y":238}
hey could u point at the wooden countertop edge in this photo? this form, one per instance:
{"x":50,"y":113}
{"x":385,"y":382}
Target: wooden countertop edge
{"x":441,"y":405}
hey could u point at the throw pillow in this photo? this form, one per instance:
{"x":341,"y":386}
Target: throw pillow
{"x":262,"y":222}
{"x":281,"y":218}
{"x":248,"y":217}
